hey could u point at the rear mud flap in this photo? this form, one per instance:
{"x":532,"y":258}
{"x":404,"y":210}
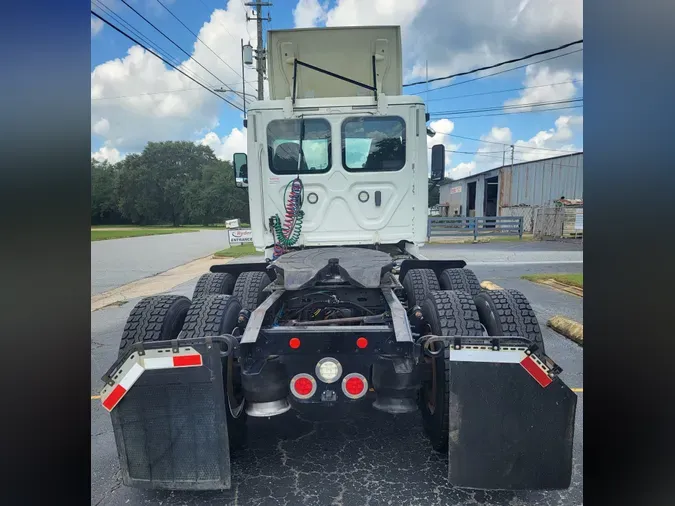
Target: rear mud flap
{"x":511,"y":422}
{"x":170,"y":426}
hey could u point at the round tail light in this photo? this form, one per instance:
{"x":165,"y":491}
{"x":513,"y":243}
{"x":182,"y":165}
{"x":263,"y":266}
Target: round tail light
{"x":303,"y":386}
{"x":328,"y":370}
{"x":354,"y":385}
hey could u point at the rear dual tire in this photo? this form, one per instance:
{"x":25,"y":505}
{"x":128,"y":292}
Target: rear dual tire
{"x":446,"y":313}
{"x":457,"y":313}
{"x":167,"y":317}
{"x":214,"y":283}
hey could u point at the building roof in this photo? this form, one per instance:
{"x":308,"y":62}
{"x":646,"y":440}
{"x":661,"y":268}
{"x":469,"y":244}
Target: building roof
{"x":509,"y":165}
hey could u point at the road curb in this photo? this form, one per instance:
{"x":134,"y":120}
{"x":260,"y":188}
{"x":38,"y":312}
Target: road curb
{"x":489,"y":285}
{"x":567,"y":328}
{"x":153,"y":285}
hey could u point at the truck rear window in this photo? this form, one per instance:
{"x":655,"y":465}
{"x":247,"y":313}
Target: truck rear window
{"x":283,"y":146}
{"x":373,"y":143}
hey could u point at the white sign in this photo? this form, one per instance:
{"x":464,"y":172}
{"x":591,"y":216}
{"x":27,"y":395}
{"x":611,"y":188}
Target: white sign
{"x":579,"y":220}
{"x":240,"y":236}
{"x":232,"y":223}
{"x":456,"y":189}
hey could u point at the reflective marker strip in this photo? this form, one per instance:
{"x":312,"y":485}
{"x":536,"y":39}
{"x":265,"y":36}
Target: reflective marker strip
{"x":472,"y":355}
{"x":504,"y":357}
{"x":536,"y":371}
{"x":111,"y":401}
{"x":187,"y":361}
{"x":123,"y":387}
{"x":130,"y":378}
{"x":158,"y":363}
{"x":151,"y":362}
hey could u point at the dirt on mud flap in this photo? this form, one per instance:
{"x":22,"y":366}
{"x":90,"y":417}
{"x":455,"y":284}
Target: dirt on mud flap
{"x":511,"y":417}
{"x":168,"y":409}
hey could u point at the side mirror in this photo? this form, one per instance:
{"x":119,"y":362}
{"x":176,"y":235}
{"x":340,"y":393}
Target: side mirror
{"x":437,"y":162}
{"x":240,"y":164}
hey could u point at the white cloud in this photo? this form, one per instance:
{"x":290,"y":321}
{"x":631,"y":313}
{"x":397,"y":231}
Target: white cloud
{"x":374,"y":12}
{"x":101,"y":127}
{"x":557,"y":138}
{"x":443,"y":128}
{"x":96,"y":26}
{"x":149,"y":115}
{"x":462,"y":170}
{"x":456,"y":36}
{"x":226,"y":146}
{"x":536,"y":80}
{"x":546,"y":143}
{"x":308,"y":13}
{"x":108,"y":154}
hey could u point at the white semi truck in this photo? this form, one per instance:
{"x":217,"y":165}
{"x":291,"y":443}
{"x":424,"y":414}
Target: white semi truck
{"x":344,"y":308}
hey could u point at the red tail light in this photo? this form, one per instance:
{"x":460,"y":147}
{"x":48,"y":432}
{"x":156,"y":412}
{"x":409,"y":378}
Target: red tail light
{"x":354,"y":385}
{"x":303,"y":386}
{"x":362,"y":342}
{"x":294,"y":343}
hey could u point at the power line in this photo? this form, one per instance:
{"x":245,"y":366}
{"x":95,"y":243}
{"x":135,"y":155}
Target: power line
{"x":129,"y":26}
{"x":505,"y":91}
{"x":514,"y":112}
{"x":508,"y":107}
{"x":500,"y":143}
{"x":209,"y":9}
{"x":164,"y":60}
{"x":197,"y":36}
{"x":174,"y":43}
{"x":469,"y":152}
{"x":504,"y":71}
{"x":514,"y":60}
{"x":161,"y":93}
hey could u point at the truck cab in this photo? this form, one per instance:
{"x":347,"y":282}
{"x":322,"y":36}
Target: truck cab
{"x":363,"y":163}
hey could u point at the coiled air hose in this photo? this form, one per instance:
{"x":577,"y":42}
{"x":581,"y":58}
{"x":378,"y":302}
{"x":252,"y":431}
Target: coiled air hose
{"x":287,"y":235}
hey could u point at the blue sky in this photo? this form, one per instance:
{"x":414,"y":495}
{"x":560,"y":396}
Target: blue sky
{"x":451,"y":38}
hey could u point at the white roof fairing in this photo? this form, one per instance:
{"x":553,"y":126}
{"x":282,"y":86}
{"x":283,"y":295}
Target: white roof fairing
{"x":346,"y":51}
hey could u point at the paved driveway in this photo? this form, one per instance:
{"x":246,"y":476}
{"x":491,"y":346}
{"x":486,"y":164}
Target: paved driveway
{"x":116,"y":262}
{"x":362,"y":457}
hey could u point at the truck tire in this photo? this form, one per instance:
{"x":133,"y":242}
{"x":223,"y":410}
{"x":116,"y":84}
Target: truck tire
{"x":418,"y":283}
{"x":213,"y":283}
{"x":447,"y":313}
{"x":459,"y":279}
{"x":508,"y":313}
{"x":214,"y":315}
{"x":155,"y":318}
{"x":249,"y":288}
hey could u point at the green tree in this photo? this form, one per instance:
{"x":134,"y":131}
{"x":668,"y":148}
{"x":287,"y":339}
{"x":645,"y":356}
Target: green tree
{"x":435,"y":191}
{"x":104,"y":182}
{"x":214,"y":198}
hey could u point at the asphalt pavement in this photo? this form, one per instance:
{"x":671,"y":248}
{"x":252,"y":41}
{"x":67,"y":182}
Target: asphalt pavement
{"x":116,"y":262}
{"x":361,"y":457}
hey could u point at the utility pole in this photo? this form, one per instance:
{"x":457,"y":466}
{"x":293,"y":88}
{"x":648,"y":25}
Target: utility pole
{"x":504,"y":157}
{"x":511,"y":155}
{"x":243,"y":78}
{"x":260,"y":51}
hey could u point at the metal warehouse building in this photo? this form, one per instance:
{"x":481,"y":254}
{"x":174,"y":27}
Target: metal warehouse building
{"x":515,"y":190}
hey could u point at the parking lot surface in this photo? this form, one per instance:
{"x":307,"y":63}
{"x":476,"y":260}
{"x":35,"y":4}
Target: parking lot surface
{"x":356,"y":457}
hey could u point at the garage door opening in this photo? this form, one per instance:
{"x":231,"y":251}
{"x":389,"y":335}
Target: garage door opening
{"x":471,"y":199}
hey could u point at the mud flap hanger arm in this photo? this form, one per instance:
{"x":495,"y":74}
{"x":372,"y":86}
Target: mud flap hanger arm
{"x":495,"y":343}
{"x":228,"y":343}
{"x":297,"y":62}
